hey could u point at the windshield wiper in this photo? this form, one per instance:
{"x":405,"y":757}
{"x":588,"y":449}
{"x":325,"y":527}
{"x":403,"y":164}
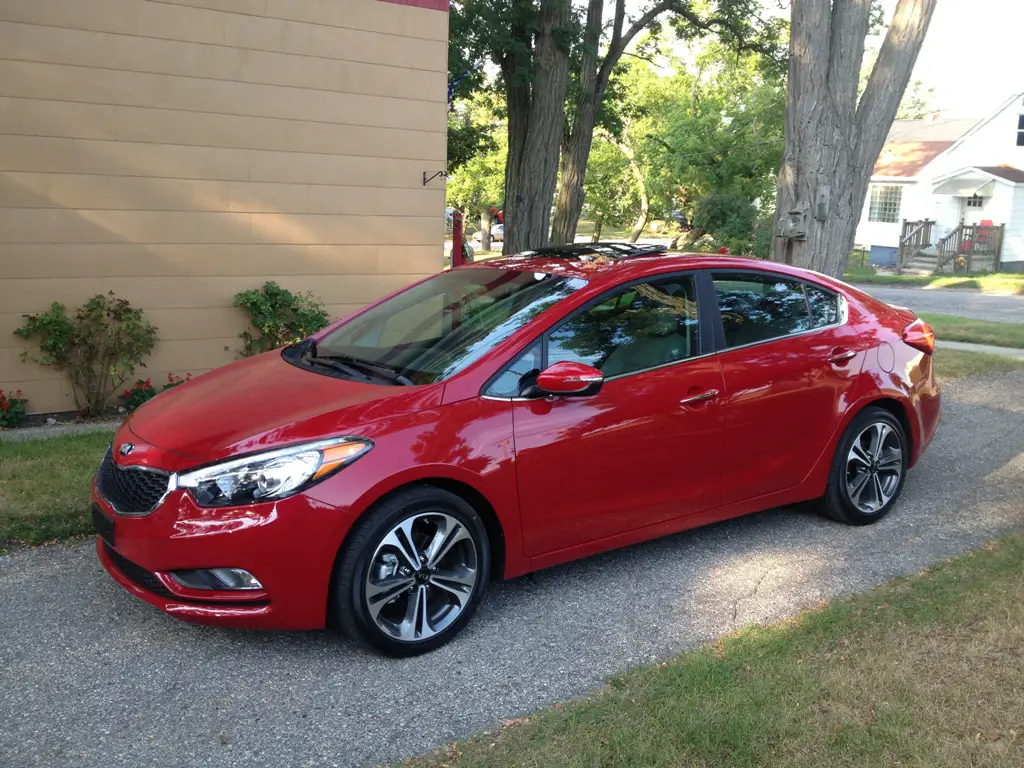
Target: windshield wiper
{"x":309,"y":357}
{"x":379,"y":370}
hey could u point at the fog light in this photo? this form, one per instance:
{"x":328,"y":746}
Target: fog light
{"x":217,"y":578}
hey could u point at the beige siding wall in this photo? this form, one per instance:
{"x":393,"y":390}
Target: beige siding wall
{"x":179,"y":151}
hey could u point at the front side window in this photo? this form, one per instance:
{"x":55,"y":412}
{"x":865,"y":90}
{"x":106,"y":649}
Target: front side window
{"x":758,"y":308}
{"x":441,"y":326}
{"x":885,"y":204}
{"x":642,"y":326}
{"x":824,"y":306}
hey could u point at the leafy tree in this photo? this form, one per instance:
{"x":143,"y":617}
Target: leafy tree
{"x":736,"y":22}
{"x":480,"y":185}
{"x":610,"y":188}
{"x":832,"y":137}
{"x":917,"y":102}
{"x":533,"y":42}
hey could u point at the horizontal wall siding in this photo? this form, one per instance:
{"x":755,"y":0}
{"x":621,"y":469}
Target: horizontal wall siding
{"x":178,"y":152}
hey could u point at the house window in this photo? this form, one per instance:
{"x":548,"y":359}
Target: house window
{"x":885,"y":204}
{"x":975,"y":201}
{"x":1020,"y":130}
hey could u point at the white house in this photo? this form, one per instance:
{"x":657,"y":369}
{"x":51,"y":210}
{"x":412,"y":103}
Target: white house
{"x":949,"y":194}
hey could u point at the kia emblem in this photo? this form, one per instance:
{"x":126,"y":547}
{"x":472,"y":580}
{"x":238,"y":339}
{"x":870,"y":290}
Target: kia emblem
{"x":126,"y":448}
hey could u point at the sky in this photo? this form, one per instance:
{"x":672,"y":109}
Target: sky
{"x":972,"y":55}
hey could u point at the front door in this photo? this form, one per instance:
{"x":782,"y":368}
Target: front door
{"x":646,"y":448}
{"x":790,"y":363}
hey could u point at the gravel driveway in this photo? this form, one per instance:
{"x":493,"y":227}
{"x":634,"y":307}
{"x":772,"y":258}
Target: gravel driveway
{"x":961,"y":302}
{"x":89,"y":676}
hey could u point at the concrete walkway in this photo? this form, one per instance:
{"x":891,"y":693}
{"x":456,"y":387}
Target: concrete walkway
{"x":988,"y":349}
{"x":56,"y":430}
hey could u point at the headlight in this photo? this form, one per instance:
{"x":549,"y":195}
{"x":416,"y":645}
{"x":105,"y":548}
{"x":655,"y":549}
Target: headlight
{"x":271,"y":475}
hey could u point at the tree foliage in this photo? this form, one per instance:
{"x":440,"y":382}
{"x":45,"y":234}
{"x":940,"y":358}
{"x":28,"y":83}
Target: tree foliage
{"x":555,"y":61}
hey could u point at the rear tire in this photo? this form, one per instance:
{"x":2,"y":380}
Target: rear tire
{"x":868,"y":470}
{"x":412,"y":572}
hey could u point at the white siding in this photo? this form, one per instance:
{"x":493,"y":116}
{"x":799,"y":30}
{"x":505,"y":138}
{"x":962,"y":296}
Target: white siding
{"x":1013,"y":244}
{"x":881,"y":233}
{"x":995,"y":143}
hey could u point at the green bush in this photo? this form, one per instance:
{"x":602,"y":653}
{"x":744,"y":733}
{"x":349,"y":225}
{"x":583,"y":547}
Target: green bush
{"x":97,"y":350}
{"x":280,"y":316}
{"x":12,"y":409}
{"x":726,"y":215}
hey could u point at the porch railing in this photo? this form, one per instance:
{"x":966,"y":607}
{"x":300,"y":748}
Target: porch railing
{"x":971,"y":248}
{"x":914,"y":236}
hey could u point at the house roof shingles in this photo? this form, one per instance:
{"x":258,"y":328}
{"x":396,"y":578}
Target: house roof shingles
{"x":1004,"y":172}
{"x":930,"y":130}
{"x":907,"y":158}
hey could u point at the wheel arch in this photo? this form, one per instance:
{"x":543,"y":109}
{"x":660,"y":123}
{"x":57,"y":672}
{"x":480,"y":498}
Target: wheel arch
{"x":481,"y":505}
{"x":900,"y":413}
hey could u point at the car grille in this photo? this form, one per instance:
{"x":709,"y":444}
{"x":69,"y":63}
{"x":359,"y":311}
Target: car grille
{"x":136,"y":573}
{"x":130,"y":490}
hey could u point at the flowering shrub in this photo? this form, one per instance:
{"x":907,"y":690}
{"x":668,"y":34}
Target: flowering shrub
{"x":143,"y":390}
{"x":280,"y":316}
{"x":12,"y":409}
{"x":97,"y":349}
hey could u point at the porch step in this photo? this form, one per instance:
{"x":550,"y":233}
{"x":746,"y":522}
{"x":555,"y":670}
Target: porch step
{"x":921,"y":264}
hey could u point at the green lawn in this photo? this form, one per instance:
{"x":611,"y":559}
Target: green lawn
{"x":45,"y":487}
{"x":952,"y":328}
{"x":955,"y":364}
{"x":924,"y":671}
{"x":997,"y":282}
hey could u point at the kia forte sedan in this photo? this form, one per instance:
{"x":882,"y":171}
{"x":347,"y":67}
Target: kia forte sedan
{"x":504,"y":417}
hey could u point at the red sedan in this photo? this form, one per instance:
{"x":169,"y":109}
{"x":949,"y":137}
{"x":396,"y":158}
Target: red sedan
{"x":504,"y":417}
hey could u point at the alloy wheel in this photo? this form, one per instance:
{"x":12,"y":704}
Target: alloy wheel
{"x":421,"y":576}
{"x":874,"y":467}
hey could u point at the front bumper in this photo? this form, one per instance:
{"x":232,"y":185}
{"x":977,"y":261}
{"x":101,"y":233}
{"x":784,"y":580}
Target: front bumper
{"x":290,"y":545}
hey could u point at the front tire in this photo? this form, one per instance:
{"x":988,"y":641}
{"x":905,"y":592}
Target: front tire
{"x":412,"y":572}
{"x":868,"y":470}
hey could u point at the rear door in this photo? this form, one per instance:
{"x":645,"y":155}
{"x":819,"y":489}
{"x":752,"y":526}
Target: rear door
{"x":789,"y":361}
{"x":647,"y":447}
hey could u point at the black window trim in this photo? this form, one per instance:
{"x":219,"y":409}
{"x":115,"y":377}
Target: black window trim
{"x":707,"y":316}
{"x":719,"y":327}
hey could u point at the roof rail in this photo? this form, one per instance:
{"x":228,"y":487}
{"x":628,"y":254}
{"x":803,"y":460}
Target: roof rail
{"x":615,"y":250}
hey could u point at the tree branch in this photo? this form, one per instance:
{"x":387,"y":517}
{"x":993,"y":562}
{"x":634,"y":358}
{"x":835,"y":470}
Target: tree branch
{"x":622,"y":39}
{"x":850,"y":22}
{"x":890,"y":75}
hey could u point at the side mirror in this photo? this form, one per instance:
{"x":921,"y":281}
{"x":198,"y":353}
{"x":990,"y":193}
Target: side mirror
{"x":567,"y":378}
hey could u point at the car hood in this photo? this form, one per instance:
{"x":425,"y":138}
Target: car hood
{"x":265,"y":402}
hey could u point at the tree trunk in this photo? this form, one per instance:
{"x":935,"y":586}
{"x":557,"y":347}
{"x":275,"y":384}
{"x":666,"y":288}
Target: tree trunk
{"x":598,"y":226}
{"x":486,"y":219}
{"x":576,"y":151}
{"x":536,"y":119}
{"x":831,"y":142}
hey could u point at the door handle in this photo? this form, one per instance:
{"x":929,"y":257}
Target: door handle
{"x":842,"y":356}
{"x":711,"y":394}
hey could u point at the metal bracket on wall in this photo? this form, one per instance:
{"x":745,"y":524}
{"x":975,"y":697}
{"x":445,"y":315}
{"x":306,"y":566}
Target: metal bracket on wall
{"x":438,"y":174}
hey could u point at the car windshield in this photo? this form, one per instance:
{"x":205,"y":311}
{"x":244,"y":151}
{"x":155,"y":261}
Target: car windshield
{"x":441,"y":326}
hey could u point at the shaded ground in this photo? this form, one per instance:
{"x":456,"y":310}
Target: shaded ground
{"x":89,"y":676}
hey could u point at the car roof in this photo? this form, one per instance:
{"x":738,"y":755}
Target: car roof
{"x":604,"y":268}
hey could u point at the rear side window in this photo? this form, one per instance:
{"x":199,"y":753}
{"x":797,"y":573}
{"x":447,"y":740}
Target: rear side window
{"x":758,"y":308}
{"x":824,"y":306}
